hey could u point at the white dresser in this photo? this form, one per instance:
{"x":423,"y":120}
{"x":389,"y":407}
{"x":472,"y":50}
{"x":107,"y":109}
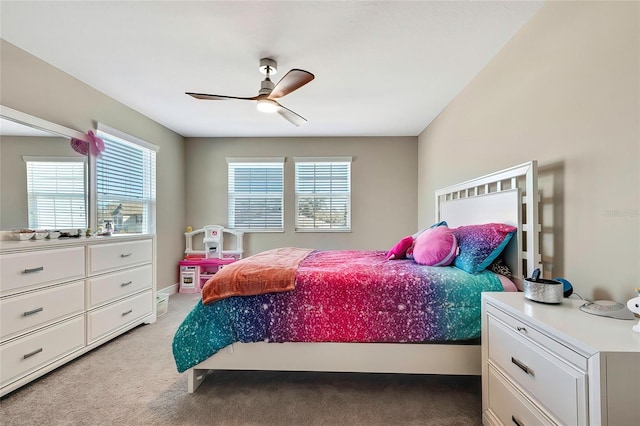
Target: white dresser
{"x":62,"y":298}
{"x":554,"y":364}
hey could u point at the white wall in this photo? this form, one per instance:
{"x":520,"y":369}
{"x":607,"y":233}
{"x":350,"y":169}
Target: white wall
{"x":32,"y":86}
{"x":383,"y":181}
{"x":565,"y":91}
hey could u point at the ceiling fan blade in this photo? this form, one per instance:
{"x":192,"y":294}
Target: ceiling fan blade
{"x":292,"y":80}
{"x":291,"y":116}
{"x":207,"y":97}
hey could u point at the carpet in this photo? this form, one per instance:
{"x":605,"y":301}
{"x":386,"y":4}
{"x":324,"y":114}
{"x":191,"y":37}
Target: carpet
{"x":132,"y":380}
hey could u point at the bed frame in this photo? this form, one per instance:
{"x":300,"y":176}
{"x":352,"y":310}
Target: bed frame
{"x":508,"y":196}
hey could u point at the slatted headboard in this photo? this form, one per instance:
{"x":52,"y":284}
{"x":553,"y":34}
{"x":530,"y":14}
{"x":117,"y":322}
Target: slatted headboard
{"x":508,"y":196}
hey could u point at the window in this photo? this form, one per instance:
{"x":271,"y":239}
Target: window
{"x":126,"y":183}
{"x":256,"y":193}
{"x":323,"y":194}
{"x":56,"y":192}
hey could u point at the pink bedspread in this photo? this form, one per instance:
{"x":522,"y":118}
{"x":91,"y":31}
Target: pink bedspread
{"x":343,"y":296}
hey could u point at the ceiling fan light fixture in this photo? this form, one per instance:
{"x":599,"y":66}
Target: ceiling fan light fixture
{"x":269,"y":93}
{"x":267,"y":105}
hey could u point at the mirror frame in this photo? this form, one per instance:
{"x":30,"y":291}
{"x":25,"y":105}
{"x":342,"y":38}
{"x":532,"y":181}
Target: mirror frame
{"x":47,"y":126}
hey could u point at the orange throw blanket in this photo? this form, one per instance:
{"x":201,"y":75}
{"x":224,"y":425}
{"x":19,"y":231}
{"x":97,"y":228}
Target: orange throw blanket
{"x":268,"y":272}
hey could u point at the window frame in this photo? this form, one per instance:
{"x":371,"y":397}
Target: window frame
{"x":233,"y":163}
{"x":149,"y":179}
{"x":348,"y":193}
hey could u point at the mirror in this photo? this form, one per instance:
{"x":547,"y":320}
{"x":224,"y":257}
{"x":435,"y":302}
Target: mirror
{"x":26,"y":138}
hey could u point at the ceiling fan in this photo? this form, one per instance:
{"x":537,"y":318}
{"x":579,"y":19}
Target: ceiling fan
{"x":269,"y":93}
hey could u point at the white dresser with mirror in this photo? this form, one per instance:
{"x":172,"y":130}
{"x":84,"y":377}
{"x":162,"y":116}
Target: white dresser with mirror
{"x":61,"y":297}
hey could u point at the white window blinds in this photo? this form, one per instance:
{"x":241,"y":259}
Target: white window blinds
{"x":256,"y":192}
{"x":56,"y":193}
{"x":323,"y":194}
{"x":126,"y":184}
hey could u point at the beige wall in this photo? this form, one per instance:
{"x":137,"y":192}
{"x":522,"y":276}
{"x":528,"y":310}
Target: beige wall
{"x":384,"y":188}
{"x":32,"y":86}
{"x":565,"y":91}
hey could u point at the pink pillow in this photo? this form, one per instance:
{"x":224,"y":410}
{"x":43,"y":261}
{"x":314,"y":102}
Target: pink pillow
{"x":399,"y":251}
{"x":436,"y":247}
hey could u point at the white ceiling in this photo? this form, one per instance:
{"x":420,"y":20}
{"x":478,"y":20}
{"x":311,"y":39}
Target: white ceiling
{"x":382,"y":68}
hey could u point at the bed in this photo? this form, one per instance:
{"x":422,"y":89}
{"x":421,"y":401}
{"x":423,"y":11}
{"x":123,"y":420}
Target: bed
{"x":240,"y":333}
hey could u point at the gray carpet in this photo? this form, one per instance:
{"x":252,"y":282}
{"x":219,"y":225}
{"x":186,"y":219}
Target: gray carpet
{"x":132,"y":380}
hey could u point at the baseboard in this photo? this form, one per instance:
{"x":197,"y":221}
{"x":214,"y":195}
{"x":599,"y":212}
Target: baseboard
{"x":172,"y":289}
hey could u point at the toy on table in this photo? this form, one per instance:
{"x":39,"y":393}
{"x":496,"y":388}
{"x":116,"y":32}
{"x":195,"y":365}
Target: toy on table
{"x":634,"y":306}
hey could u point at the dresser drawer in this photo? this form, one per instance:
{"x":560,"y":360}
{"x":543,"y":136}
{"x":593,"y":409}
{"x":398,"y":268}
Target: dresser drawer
{"x":24,"y":271}
{"x":28,"y":311}
{"x":25,"y":355}
{"x":555,"y":384}
{"x":510,"y":406}
{"x":108,"y":257}
{"x":104,"y":321}
{"x":106,"y":288}
{"x":541,"y":339}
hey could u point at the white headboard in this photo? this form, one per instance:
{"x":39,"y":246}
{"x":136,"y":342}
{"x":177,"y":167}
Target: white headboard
{"x":508,"y":196}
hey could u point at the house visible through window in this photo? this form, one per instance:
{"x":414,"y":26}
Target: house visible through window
{"x":256,"y":192}
{"x":56,"y":192}
{"x":323,"y":194}
{"x":125,"y":183}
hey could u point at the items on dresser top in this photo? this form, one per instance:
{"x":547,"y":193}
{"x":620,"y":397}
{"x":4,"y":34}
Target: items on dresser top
{"x":554,"y":291}
{"x":41,"y":234}
{"x":542,"y":290}
{"x":545,"y":290}
{"x":551,"y":364}
{"x":634,"y":306}
{"x":23,"y":234}
{"x":607,"y":308}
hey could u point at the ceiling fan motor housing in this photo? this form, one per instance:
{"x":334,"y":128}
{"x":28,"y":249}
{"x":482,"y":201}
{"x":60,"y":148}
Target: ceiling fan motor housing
{"x":267,"y":67}
{"x":266,"y":86}
{"x":268,"y":64}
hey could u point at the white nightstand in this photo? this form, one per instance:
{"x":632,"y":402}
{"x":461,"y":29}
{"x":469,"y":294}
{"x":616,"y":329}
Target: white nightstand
{"x":554,"y":364}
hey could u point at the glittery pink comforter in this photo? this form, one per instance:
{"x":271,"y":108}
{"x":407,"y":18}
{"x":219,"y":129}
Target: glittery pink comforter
{"x":343,"y":296}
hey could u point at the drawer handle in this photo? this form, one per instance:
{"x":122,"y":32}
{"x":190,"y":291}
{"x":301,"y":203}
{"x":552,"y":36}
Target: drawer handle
{"x":521,"y":329}
{"x":125,"y":255}
{"x":38,"y":269}
{"x":522,"y":366}
{"x":30,"y":354}
{"x":33,"y":311}
{"x":516,"y":421}
{"x":126,"y":284}
{"x":127,"y":313}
